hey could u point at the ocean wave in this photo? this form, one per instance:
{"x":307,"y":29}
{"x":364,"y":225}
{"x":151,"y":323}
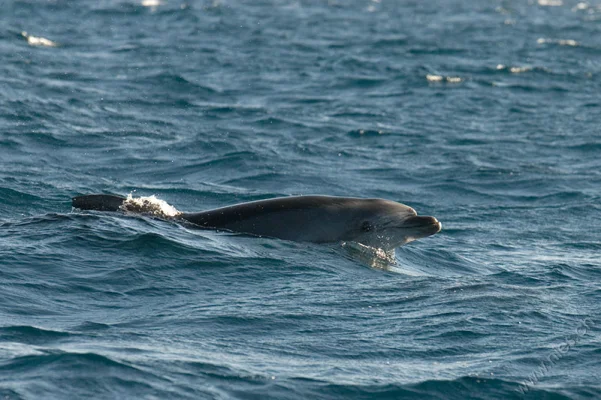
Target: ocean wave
{"x":460,"y":388}
{"x":101,"y":376}
{"x":31,"y":335}
{"x":176,"y":83}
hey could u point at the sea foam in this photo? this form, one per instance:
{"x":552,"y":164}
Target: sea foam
{"x":149,"y":205}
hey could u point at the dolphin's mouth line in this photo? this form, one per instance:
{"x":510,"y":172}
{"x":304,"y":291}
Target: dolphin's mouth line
{"x":418,"y":226}
{"x":421,"y":226}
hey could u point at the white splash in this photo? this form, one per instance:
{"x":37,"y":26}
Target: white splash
{"x":550,"y":3}
{"x":38,"y":41}
{"x":561,"y":42}
{"x":434,"y":78}
{"x":150,"y":3}
{"x":519,"y":70}
{"x":439,"y":78}
{"x":149,"y":205}
{"x":581,"y":6}
{"x":370,"y":256}
{"x":514,"y":70}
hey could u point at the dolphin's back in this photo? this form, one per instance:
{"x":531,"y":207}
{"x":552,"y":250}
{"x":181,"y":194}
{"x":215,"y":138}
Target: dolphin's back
{"x":289,"y":218}
{"x":222,"y":216}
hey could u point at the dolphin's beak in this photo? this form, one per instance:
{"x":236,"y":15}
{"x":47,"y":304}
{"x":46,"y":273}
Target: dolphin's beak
{"x":429,"y":225}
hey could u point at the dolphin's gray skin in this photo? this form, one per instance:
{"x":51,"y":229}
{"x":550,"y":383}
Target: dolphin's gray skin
{"x":376,"y":223}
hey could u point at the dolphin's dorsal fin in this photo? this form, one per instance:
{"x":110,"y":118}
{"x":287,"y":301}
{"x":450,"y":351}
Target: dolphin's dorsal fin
{"x":98,"y":202}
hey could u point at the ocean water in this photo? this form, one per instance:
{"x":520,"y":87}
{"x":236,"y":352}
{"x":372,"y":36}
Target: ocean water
{"x":486,"y":115}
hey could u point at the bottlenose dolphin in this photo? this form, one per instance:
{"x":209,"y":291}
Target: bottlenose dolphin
{"x":376,"y":223}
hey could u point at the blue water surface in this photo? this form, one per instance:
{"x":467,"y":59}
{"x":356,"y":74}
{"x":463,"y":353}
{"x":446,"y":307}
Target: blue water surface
{"x":486,"y":115}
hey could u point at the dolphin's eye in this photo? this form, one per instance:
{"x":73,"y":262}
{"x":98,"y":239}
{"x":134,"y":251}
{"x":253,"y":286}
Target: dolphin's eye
{"x":366,"y":226}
